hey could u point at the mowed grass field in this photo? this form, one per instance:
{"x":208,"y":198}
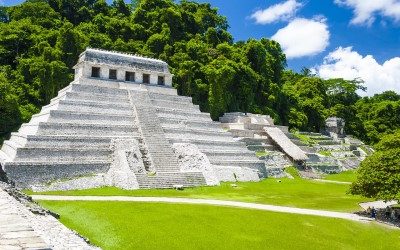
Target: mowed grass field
{"x":127,"y":225}
{"x":347,"y":176}
{"x":285,"y":192}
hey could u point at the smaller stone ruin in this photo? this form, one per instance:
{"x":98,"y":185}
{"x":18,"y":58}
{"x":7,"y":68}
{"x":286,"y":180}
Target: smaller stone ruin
{"x":334,"y":127}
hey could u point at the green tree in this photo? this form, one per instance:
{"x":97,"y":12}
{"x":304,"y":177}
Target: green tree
{"x":40,"y":41}
{"x":220,"y":75}
{"x":378,"y":115}
{"x":309,"y":96}
{"x":10,"y":116}
{"x":379,"y":175}
{"x":71,"y":43}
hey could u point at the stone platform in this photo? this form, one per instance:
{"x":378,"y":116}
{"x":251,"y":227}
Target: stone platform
{"x":250,"y":129}
{"x":21,"y":229}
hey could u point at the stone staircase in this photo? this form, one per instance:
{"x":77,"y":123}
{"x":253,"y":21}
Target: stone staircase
{"x":183,"y":122}
{"x":162,"y":166}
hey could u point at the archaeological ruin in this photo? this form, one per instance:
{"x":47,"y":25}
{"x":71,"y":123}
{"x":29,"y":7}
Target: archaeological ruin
{"x":120,"y":123}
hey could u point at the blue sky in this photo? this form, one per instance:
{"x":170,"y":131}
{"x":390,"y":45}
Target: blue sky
{"x":336,"y":38}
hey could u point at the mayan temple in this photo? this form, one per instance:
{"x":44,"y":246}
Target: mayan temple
{"x":120,"y":123}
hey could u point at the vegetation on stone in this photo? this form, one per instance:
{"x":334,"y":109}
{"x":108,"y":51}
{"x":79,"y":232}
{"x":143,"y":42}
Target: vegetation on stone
{"x":346,"y":176}
{"x":325,"y":153}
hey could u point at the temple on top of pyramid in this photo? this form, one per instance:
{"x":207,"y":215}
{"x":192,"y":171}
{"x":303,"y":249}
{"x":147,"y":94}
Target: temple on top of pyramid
{"x":95,"y":63}
{"x":120,"y":123}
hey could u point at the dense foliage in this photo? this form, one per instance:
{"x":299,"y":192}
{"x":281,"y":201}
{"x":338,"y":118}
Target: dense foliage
{"x":379,"y":174}
{"x":40,"y":41}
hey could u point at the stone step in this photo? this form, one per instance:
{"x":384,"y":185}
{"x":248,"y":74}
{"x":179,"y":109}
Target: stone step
{"x":175,"y":98}
{"x":349,"y":163}
{"x":230,"y":155}
{"x":26,"y":174}
{"x":310,"y":133}
{"x":90,"y":100}
{"x":87,"y":106}
{"x":256,"y":141}
{"x":329,"y":142}
{"x":28,"y":154}
{"x":239,"y":151}
{"x":290,"y":135}
{"x":60,"y":141}
{"x":242,"y":133}
{"x":255,"y":127}
{"x":64,"y":90}
{"x":183,"y":112}
{"x":167,"y":114}
{"x":212,"y":132}
{"x":254,"y":164}
{"x":261,"y":147}
{"x":3,"y":158}
{"x":237,"y":157}
{"x":9,"y":148}
{"x":169,"y":179}
{"x":175,"y":179}
{"x":327,"y":168}
{"x":190,"y":123}
{"x":83,"y":96}
{"x":308,"y":149}
{"x":321,"y":138}
{"x":60,"y":116}
{"x":175,"y":105}
{"x":210,"y":144}
{"x":60,"y":96}
{"x":298,"y":142}
{"x":185,"y":127}
{"x":187,"y":135}
{"x":47,"y":128}
{"x":99,"y":90}
{"x":172,"y":175}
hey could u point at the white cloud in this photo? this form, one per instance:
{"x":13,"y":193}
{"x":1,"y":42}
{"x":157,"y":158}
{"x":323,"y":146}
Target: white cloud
{"x":281,"y":11}
{"x":303,"y":37}
{"x":348,"y":64}
{"x":366,"y":10}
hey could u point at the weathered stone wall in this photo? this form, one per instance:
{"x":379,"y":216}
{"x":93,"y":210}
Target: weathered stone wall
{"x":191,"y":159}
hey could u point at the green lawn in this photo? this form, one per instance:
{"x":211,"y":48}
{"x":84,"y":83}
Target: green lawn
{"x":347,"y":176}
{"x":261,"y":153}
{"x":305,"y":138}
{"x":325,"y":153}
{"x":125,"y":225}
{"x":288,"y":192}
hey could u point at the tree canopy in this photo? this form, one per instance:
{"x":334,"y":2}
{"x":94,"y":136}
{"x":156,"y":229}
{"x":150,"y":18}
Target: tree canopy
{"x":379,"y":174}
{"x":40,"y":41}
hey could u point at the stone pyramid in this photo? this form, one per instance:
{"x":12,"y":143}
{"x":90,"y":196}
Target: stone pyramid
{"x":119,"y":121}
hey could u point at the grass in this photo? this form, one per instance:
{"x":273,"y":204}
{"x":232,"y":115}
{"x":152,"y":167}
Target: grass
{"x":346,"y":176}
{"x":305,"y":138}
{"x":288,"y":192}
{"x":125,"y":225}
{"x":261,"y":153}
{"x":325,"y":153}
{"x":293,"y":172}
